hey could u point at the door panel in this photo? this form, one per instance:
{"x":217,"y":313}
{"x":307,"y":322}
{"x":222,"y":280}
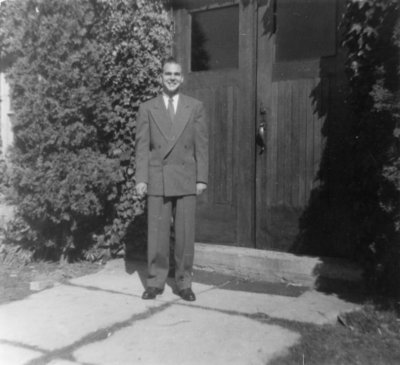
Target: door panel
{"x":216,"y":213}
{"x":293,"y":87}
{"x":225,"y":212}
{"x":291,"y":163}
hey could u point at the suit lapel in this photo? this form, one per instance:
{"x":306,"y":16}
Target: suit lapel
{"x":161,"y":117}
{"x":182,"y":116}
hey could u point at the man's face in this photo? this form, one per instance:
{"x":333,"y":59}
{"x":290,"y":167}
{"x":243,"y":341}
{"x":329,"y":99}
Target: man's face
{"x":172,"y":78}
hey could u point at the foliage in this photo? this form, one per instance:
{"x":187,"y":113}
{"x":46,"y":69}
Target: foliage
{"x":372,"y":37}
{"x":138,"y":41}
{"x":78,"y":73}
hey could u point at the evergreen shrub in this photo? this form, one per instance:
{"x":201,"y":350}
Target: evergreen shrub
{"x":79,"y":70}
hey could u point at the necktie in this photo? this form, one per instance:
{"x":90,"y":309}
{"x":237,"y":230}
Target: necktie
{"x":171,"y":109}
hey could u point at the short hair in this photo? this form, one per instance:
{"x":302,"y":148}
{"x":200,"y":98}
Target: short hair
{"x":170,"y":59}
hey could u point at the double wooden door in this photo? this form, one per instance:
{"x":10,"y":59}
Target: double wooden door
{"x":265,"y":134}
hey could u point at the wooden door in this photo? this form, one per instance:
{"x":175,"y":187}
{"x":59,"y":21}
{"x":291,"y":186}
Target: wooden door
{"x":282,"y":76}
{"x":214,"y":40}
{"x":297,"y":75}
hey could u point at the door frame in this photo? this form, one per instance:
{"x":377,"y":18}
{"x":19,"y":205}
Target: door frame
{"x":265,"y":47}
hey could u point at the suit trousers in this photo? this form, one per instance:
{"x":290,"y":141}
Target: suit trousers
{"x":161,"y":210}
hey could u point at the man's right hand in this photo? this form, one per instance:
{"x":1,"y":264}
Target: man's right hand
{"x":141,"y":189}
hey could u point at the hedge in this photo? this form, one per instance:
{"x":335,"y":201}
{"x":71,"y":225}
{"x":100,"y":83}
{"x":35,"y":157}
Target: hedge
{"x":79,"y":70}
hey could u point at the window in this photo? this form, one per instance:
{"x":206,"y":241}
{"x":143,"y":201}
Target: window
{"x":306,"y":29}
{"x":215,"y":39}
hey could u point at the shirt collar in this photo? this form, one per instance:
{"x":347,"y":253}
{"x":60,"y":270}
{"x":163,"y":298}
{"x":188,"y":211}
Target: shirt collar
{"x":174,"y":98}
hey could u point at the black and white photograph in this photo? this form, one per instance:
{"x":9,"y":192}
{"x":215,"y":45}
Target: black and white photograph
{"x":199,"y":182}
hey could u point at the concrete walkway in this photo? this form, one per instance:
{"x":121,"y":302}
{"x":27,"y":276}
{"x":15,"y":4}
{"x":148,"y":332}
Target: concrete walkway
{"x":100,"y":319}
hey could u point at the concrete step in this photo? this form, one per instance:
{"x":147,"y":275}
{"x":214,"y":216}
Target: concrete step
{"x":273,"y":266}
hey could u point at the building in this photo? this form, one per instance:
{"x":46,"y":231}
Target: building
{"x":271,"y":75}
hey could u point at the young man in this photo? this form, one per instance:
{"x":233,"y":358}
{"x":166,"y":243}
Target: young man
{"x":171,"y":168}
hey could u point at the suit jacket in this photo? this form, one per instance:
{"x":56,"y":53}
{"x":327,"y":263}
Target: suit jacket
{"x":171,"y":157}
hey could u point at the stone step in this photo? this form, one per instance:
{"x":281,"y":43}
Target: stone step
{"x":273,"y":266}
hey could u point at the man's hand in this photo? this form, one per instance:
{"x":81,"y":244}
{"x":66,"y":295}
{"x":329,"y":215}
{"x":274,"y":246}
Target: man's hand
{"x":200,"y":187}
{"x":141,"y":189}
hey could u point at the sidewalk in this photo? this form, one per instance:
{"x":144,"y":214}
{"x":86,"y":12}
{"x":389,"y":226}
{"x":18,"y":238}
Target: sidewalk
{"x":100,"y":319}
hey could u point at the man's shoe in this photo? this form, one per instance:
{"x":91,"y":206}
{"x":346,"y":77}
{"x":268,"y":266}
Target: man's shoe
{"x":187,"y":294}
{"x":151,"y":292}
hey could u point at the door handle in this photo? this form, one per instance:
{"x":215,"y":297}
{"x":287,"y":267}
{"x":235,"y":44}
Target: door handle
{"x":261,"y":134}
{"x":260,"y":138}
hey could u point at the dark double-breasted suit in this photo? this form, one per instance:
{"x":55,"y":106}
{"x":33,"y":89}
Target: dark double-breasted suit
{"x":171,"y":158}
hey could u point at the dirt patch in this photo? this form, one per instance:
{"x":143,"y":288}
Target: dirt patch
{"x":15,"y":280}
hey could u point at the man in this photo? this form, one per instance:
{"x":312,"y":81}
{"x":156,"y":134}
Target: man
{"x":171,"y":168}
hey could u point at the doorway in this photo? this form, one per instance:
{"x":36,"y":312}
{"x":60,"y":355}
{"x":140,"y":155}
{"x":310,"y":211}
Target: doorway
{"x":262,"y":93}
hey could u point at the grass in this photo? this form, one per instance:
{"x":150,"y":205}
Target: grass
{"x":15,"y":278}
{"x":370,"y":336}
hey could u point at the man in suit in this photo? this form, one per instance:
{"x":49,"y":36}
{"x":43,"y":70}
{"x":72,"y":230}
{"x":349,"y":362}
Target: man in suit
{"x":171,"y":168}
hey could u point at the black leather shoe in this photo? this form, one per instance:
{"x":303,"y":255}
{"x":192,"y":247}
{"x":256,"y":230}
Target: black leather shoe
{"x":151,"y":292}
{"x":187,"y":294}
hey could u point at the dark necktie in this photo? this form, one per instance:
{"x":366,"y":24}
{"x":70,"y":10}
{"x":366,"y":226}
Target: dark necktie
{"x":171,"y":109}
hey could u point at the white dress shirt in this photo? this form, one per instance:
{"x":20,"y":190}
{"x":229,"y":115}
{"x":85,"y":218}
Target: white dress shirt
{"x":175,"y":99}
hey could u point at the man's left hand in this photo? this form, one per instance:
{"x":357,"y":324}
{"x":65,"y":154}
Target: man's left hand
{"x":200,"y":187}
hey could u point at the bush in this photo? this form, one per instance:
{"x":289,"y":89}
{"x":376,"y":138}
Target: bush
{"x":138,"y":41}
{"x":79,"y":71}
{"x":372,"y":37}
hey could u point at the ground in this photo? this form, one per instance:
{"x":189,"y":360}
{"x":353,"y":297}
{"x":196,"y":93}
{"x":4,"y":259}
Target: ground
{"x":369,"y":336}
{"x":366,"y":337}
{"x":16,"y":278}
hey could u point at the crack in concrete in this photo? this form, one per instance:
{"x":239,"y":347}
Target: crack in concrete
{"x":177,"y":301}
{"x":95,"y":288}
{"x":66,"y":352}
{"x":23,"y":345}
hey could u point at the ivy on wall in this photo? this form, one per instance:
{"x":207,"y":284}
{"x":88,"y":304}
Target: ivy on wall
{"x":372,"y":38}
